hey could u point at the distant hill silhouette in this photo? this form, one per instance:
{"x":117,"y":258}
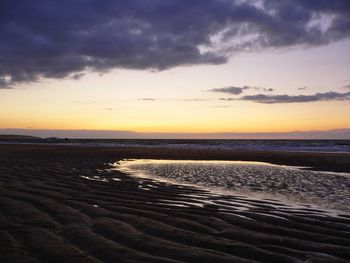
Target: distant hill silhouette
{"x":18,"y":137}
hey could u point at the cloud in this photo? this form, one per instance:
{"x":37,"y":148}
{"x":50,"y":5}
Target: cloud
{"x":228,"y":99}
{"x":63,"y":39}
{"x":265,"y":89}
{"x":148,"y":99}
{"x":5,"y":83}
{"x":221,"y":106}
{"x":230,"y":90}
{"x":273,"y":99}
{"x":347,"y":86}
{"x":189,"y":99}
{"x":234,"y":90}
{"x":302,"y":88}
{"x":77,"y":76}
{"x":174,"y":99}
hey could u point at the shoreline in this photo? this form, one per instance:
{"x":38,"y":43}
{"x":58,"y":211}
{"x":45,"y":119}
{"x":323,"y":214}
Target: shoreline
{"x":165,"y":146}
{"x":51,"y":212}
{"x":318,"y":161}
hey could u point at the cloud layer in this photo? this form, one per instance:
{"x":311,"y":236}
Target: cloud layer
{"x":272,"y":99}
{"x":59,"y":39}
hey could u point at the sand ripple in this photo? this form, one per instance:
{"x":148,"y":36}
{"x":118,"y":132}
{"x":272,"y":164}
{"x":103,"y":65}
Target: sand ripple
{"x":53,"y":210}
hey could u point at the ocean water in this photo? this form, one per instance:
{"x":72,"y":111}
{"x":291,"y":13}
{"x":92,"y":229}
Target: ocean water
{"x":286,"y":183}
{"x":274,"y":145}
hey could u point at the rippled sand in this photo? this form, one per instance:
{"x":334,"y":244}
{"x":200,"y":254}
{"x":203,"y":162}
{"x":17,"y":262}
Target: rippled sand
{"x":69,"y":204}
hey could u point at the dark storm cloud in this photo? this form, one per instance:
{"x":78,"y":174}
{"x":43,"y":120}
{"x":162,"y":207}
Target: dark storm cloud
{"x":60,"y":39}
{"x":77,"y":76}
{"x":272,"y":99}
{"x":5,"y":84}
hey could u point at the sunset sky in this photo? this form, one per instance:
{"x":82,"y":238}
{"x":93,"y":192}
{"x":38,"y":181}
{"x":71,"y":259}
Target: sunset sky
{"x":175,"y":66}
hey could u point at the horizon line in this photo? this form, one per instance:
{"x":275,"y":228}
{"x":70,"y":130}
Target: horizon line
{"x":340,"y":133}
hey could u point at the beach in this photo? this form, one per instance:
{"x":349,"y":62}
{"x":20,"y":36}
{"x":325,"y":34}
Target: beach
{"x":57,"y":206}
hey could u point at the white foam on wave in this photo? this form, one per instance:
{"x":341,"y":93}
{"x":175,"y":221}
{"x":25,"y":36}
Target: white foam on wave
{"x":256,"y":179}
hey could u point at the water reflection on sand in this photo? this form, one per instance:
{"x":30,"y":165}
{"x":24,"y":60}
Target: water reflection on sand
{"x":329,"y":190}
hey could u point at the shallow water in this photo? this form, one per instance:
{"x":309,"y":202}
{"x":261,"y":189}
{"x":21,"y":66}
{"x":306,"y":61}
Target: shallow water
{"x":269,"y":145}
{"x":328,"y":190}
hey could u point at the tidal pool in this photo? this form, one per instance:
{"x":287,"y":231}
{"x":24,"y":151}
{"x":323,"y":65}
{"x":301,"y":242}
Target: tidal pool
{"x":329,"y":190}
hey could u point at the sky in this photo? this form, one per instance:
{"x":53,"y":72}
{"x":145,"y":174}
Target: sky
{"x":175,"y":66}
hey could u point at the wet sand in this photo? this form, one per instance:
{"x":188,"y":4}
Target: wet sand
{"x":55,"y":208}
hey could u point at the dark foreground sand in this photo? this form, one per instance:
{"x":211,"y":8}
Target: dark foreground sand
{"x":50,"y":212}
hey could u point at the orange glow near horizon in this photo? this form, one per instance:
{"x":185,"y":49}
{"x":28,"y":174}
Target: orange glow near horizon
{"x":178,"y":101}
{"x":180,"y":117}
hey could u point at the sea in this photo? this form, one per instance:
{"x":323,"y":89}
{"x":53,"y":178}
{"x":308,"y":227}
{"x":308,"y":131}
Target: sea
{"x":272,"y":145}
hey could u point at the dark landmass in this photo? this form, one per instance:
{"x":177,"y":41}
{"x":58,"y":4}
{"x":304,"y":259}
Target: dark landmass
{"x":66,"y":204}
{"x":17,"y":137}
